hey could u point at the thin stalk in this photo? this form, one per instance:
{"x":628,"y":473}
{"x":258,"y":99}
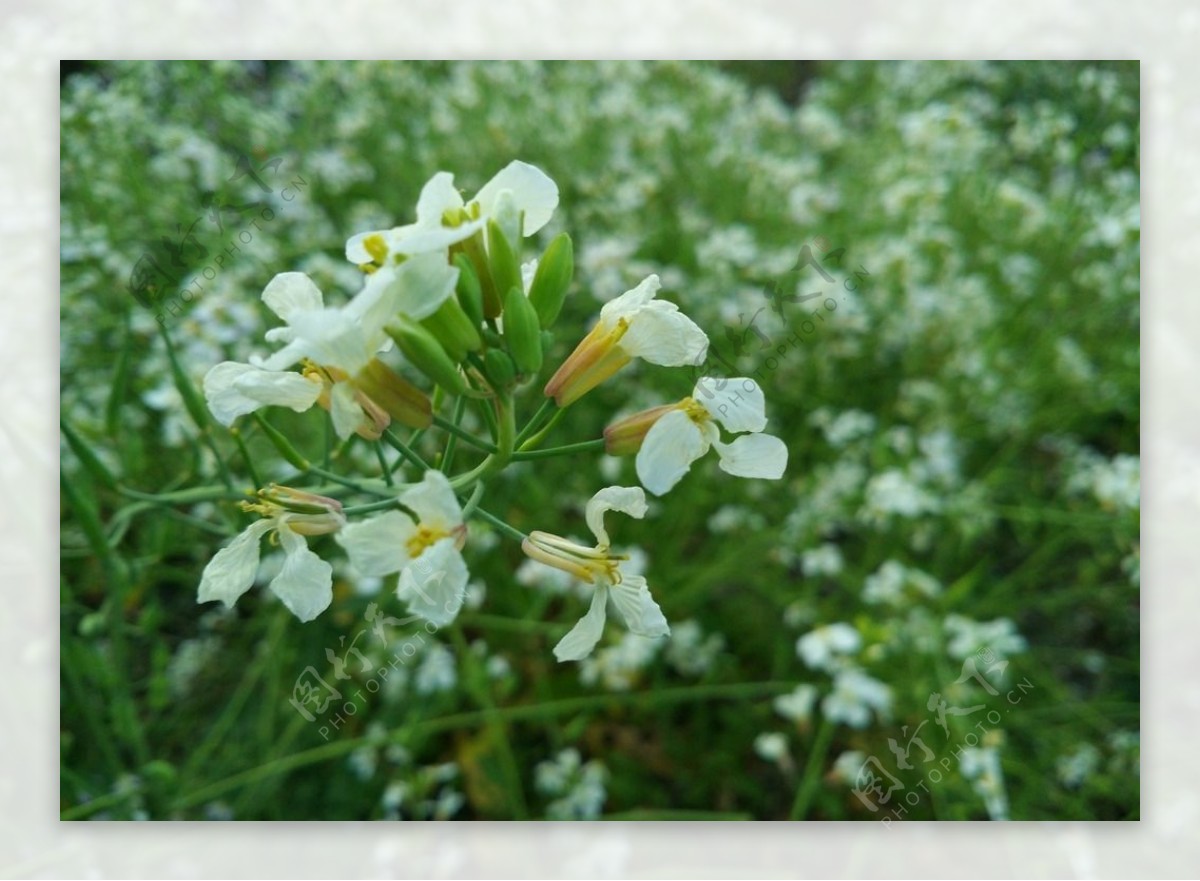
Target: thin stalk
{"x":551,"y":452}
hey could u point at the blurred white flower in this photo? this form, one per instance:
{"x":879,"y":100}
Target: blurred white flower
{"x":855,"y":697}
{"x":825,"y":647}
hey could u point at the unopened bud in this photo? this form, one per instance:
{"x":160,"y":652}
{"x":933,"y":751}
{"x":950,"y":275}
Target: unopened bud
{"x":506,"y":271}
{"x":451,"y":327}
{"x":425,"y":353}
{"x":500,"y":368}
{"x":522,"y":332}
{"x":624,"y":437}
{"x":470,"y":297}
{"x":552,"y":279}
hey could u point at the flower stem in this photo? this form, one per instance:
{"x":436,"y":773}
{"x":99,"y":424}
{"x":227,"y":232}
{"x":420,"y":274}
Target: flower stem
{"x":812,"y":770}
{"x":404,"y":450}
{"x":466,"y":436}
{"x":511,"y":531}
{"x":541,"y":435}
{"x":533,"y":423}
{"x":551,"y":452}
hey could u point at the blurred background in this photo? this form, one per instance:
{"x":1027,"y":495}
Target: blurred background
{"x":932,"y":269}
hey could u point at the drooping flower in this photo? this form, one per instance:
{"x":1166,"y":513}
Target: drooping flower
{"x":426,"y":551}
{"x":444,"y":219}
{"x":634,"y":325}
{"x":305,"y":583}
{"x":685,"y":432}
{"x":339,"y":347}
{"x":606,"y":570}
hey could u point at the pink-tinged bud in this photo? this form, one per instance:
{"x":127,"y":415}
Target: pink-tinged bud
{"x":597,"y":357}
{"x":586,"y":564}
{"x":395,"y":396}
{"x":307,"y":513}
{"x":624,"y":437}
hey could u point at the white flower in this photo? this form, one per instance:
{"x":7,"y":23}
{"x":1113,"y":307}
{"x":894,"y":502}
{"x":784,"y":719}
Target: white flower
{"x":305,"y":583}
{"x":798,"y":704}
{"x":685,"y":433}
{"x":426,"y":552}
{"x":609,"y":572}
{"x":771,"y":746}
{"x":821,"y":648}
{"x":634,"y":325}
{"x":854,"y":696}
{"x":341,"y":345}
{"x":517,"y":189}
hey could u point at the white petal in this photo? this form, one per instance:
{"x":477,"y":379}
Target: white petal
{"x":231,"y":571}
{"x":234,"y":389}
{"x":355,"y":252}
{"x":437,"y":197}
{"x":292,"y":292}
{"x":434,"y":585}
{"x":626,"y":499}
{"x":419,"y":239}
{"x":533,"y":192}
{"x":631,"y":301}
{"x":737,"y":403}
{"x":754,"y":455}
{"x":305,"y":583}
{"x":416,"y":288}
{"x":661,"y":334}
{"x":434,"y":502}
{"x":377,"y":546}
{"x":332,"y":338}
{"x":642,"y":615}
{"x":347,"y":413}
{"x":276,"y":389}
{"x":578,"y":644}
{"x":673,"y":443}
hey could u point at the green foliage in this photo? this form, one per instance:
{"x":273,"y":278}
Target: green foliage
{"x":960,"y":401}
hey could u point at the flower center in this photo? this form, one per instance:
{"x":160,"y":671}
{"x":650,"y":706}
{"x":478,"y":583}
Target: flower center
{"x":422,"y":539}
{"x":695,"y":411}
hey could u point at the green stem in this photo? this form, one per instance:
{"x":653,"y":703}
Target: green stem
{"x":383,"y":464}
{"x":533,"y":423}
{"x":506,"y":430}
{"x":551,"y":452}
{"x":463,"y":435}
{"x":541,"y":435}
{"x":511,"y":531}
{"x":473,"y":502}
{"x":812,"y":770}
{"x":405,"y":451}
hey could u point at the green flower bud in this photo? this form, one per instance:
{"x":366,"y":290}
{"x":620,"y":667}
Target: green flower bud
{"x":521,"y":331}
{"x":552,"y":279}
{"x":506,"y":271}
{"x":425,"y":353}
{"x":470,"y":295}
{"x":452,"y":328}
{"x":499,"y":367}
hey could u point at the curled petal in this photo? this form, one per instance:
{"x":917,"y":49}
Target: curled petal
{"x":642,"y":615}
{"x":672,"y":444}
{"x":737,"y":403}
{"x":754,"y":455}
{"x":233,"y":389}
{"x":629,"y":500}
{"x":631,"y":301}
{"x":305,"y":583}
{"x":661,"y":334}
{"x":231,"y":571}
{"x":578,"y":644}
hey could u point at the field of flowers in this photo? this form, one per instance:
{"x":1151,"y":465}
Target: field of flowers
{"x":929,"y":270}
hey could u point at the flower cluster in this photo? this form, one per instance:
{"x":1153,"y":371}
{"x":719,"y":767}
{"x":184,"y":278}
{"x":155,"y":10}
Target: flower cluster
{"x":447,"y":297}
